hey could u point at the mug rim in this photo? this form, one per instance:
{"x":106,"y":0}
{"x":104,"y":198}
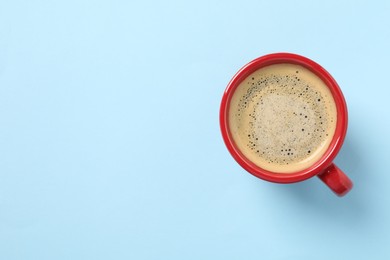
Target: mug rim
{"x":341,"y":125}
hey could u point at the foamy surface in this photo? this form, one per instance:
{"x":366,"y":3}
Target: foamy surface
{"x":282,"y":117}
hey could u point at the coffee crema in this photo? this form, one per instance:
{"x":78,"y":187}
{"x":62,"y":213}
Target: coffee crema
{"x":282,"y":118}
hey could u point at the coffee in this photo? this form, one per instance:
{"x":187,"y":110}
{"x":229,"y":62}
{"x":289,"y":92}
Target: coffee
{"x":282,"y":118}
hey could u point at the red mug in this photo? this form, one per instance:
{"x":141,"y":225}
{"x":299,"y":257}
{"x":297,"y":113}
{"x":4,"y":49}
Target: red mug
{"x":324,"y":168}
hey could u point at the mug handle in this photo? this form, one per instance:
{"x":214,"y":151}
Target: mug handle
{"x":336,"y":180}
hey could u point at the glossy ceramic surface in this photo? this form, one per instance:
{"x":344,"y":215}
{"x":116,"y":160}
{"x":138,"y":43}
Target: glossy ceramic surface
{"x":321,"y":166}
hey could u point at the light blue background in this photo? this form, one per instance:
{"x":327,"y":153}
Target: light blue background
{"x":109,"y":138}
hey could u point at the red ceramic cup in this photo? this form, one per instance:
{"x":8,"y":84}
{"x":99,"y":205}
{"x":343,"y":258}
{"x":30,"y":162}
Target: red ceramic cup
{"x":324,"y":168}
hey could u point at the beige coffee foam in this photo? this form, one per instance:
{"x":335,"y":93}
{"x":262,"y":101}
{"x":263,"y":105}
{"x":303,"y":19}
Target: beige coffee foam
{"x":282,"y":118}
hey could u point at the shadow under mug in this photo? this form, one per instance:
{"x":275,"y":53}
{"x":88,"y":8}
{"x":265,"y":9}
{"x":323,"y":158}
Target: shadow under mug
{"x":324,"y":168}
